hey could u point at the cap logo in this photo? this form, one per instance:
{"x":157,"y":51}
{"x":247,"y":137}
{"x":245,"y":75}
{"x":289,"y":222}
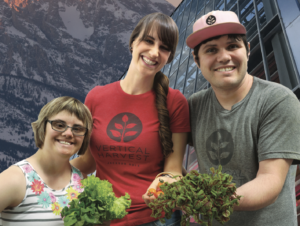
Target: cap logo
{"x":211,"y":20}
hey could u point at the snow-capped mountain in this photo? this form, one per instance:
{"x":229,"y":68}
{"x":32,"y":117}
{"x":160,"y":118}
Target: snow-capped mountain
{"x":51,"y":48}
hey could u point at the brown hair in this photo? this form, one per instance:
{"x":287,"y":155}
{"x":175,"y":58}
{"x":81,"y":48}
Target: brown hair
{"x":165,"y":26}
{"x":55,"y":106}
{"x":236,"y":37}
{"x":167,"y":32}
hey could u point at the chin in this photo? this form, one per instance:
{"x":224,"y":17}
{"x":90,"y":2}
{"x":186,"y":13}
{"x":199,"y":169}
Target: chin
{"x":67,"y":153}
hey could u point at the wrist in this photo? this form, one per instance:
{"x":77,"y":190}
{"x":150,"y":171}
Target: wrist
{"x":168,"y":174}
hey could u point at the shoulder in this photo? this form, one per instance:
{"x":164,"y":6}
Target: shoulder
{"x":178,"y":111}
{"x":99,"y":90}
{"x":273,"y":90}
{"x":270,"y":95}
{"x":174,"y":93}
{"x":277,"y":102}
{"x":199,"y":96}
{"x":13,"y":186}
{"x":13,"y":174}
{"x":175,"y":97}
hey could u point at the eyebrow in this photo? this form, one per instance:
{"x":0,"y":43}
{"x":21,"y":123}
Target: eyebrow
{"x":208,"y":46}
{"x":59,"y":120}
{"x":165,"y":45}
{"x":231,"y":41}
{"x":78,"y":125}
{"x":149,"y":36}
{"x":214,"y":45}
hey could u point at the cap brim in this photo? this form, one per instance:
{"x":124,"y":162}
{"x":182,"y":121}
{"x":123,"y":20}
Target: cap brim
{"x":215,"y":30}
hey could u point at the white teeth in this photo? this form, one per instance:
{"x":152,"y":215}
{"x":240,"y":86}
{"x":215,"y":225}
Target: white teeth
{"x":150,"y":62}
{"x":64,"y":142}
{"x":225,"y":69}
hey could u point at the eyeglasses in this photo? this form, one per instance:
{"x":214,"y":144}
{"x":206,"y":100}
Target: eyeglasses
{"x":61,"y":126}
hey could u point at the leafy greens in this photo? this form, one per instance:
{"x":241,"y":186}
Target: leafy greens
{"x":96,"y":204}
{"x":213,"y":196}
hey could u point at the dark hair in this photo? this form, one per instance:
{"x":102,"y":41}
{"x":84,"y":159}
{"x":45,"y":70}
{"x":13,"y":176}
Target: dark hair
{"x":166,"y":28}
{"x":167,"y":32}
{"x":236,"y":37}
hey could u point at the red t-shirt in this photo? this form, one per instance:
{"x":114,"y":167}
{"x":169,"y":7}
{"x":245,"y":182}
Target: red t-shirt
{"x":125,"y":142}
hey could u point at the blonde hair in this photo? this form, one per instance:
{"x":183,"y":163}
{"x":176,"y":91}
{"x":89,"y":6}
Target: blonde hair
{"x":55,"y":106}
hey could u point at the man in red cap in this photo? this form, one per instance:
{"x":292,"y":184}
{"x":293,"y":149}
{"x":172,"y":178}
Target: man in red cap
{"x":248,"y":125}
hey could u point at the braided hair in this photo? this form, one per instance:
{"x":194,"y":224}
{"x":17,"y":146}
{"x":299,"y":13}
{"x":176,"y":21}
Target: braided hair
{"x":168,"y":33}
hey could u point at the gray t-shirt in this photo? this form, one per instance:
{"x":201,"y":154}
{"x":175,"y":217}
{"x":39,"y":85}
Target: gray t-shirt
{"x":264,"y":125}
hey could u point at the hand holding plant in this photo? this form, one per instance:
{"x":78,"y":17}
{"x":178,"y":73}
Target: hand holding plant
{"x":213,"y":196}
{"x":151,"y":192}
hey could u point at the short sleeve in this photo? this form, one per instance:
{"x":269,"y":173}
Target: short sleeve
{"x":178,"y":111}
{"x":90,"y":98}
{"x":279,"y":127}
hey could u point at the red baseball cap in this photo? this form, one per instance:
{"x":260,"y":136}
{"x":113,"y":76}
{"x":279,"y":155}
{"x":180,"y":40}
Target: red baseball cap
{"x":213,"y":24}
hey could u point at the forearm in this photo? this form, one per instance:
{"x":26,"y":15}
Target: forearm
{"x":174,"y":170}
{"x":173,"y":163}
{"x":86,"y":166}
{"x":259,"y":193}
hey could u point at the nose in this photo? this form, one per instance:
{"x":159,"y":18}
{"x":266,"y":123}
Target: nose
{"x":154,"y":52}
{"x":68,"y":132}
{"x":223,"y":56}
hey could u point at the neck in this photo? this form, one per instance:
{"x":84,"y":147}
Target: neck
{"x":50,"y":164}
{"x":135,"y":83}
{"x":228,"y":98}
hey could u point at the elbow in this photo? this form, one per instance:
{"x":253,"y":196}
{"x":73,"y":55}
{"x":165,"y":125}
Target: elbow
{"x":86,"y":166}
{"x":91,"y":168}
{"x":255,"y":205}
{"x":267,"y":203}
{"x":274,"y":200}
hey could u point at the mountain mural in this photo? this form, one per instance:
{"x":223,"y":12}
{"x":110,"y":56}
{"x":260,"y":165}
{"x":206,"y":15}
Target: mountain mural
{"x":51,"y":48}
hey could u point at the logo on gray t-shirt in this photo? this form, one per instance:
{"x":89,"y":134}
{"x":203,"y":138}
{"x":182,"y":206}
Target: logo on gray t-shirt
{"x":219,"y":147}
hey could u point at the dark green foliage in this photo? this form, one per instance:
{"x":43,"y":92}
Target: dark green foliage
{"x":213,"y":196}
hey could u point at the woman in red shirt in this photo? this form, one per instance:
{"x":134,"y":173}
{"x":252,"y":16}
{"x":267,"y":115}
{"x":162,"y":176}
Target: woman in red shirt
{"x":140,"y":124}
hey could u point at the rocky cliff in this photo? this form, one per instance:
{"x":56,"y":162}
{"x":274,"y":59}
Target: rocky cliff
{"x":50,"y":48}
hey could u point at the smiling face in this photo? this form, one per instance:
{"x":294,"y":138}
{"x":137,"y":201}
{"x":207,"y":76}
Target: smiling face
{"x":63,"y":143}
{"x":223,"y":62}
{"x":150,"y":54}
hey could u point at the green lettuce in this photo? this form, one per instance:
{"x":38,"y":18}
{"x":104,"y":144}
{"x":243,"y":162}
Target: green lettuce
{"x":96,"y":204}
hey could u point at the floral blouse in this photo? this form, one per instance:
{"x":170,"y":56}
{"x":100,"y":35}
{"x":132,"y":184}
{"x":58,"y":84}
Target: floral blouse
{"x":41,"y":205}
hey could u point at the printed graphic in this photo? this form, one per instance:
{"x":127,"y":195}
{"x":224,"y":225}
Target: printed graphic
{"x":47,"y":199}
{"x":219,"y":147}
{"x":211,"y":20}
{"x":239,"y":176}
{"x":124,"y":127}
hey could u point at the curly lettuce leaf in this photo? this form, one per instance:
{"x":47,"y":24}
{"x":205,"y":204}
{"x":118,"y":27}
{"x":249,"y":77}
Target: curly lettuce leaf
{"x":96,"y":204}
{"x":118,"y":209}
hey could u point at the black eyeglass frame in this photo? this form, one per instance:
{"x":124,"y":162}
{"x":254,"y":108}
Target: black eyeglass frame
{"x":50,"y":121}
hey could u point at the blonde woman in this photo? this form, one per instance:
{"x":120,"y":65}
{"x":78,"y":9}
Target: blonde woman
{"x":34,"y":190}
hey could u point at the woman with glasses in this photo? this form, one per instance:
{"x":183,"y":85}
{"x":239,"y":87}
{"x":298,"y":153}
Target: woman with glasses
{"x":34,"y":190}
{"x":140,"y":125}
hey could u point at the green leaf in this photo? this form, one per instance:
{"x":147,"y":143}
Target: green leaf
{"x":96,"y":204}
{"x":208,"y":195}
{"x":70,"y":220}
